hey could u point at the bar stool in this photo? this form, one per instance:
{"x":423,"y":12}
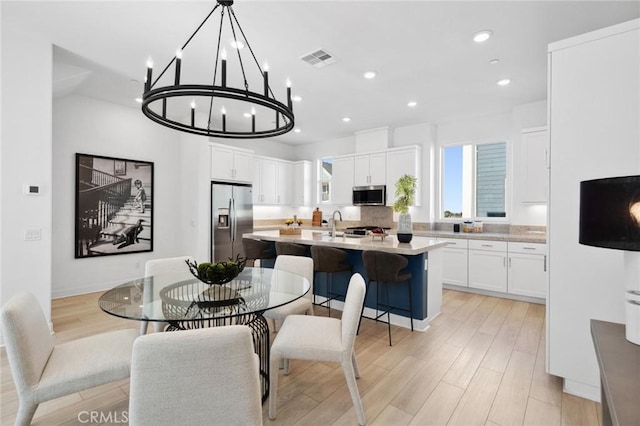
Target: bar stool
{"x":258,"y":250}
{"x":386,"y":268}
{"x":291,"y":249}
{"x":330,"y":261}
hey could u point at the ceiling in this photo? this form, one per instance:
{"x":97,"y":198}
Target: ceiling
{"x":422,"y":51}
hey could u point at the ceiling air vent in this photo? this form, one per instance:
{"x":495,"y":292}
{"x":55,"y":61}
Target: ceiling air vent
{"x":318,"y":58}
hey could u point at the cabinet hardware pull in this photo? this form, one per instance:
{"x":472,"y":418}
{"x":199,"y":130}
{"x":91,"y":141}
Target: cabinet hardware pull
{"x":545,"y":263}
{"x":487,"y":245}
{"x":528,"y":248}
{"x":509,"y":262}
{"x":504,"y":262}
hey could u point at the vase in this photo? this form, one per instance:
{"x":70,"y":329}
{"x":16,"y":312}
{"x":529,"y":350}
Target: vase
{"x":405,"y":228}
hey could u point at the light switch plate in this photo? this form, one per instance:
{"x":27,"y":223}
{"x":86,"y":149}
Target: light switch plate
{"x":32,"y":234}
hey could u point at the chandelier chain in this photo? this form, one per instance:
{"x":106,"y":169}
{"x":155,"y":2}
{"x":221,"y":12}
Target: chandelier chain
{"x":185,"y":44}
{"x":250,"y":49}
{"x":233,"y":31}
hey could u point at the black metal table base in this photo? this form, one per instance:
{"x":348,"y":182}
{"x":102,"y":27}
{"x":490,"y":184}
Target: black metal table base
{"x":259,"y":329}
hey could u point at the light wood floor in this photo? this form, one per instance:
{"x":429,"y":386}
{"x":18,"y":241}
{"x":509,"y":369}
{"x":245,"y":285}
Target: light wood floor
{"x":480,"y":363}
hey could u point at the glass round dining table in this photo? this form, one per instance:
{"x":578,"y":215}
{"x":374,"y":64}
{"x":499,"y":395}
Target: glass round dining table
{"x":190,"y":303}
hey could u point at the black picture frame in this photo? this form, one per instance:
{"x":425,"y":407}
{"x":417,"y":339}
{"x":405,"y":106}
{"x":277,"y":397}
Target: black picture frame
{"x":120,"y":167}
{"x":114,"y":212}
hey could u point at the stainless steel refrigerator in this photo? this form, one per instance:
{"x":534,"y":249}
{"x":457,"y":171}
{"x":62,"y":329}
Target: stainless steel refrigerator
{"x":232,"y":216}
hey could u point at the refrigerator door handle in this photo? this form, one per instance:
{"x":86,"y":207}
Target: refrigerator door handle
{"x":230,"y":220}
{"x":234,"y":225}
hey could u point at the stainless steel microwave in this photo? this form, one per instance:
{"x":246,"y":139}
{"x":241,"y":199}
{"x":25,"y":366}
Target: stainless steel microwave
{"x":375,"y":195}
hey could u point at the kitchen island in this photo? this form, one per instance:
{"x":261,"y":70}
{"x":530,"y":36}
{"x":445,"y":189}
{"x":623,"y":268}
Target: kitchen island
{"x":425,"y":265}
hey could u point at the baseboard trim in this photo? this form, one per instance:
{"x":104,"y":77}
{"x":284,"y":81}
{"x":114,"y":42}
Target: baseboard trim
{"x":495,"y":294}
{"x":582,"y":390}
{"x":418,"y":325}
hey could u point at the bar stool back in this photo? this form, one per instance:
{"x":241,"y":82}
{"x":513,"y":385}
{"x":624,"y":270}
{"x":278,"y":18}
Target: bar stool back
{"x":386,"y":269}
{"x":291,"y":249}
{"x":330,"y":261}
{"x":257,"y":250}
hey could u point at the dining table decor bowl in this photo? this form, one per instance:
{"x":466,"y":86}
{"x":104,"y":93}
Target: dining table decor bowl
{"x":217,"y":272}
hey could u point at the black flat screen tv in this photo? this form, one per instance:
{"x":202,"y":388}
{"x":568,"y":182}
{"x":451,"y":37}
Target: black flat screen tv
{"x":610,"y":213}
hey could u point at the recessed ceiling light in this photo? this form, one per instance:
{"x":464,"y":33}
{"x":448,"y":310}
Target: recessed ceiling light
{"x":369,"y":75}
{"x":412,"y":104}
{"x":494,"y":61}
{"x":297,"y":98}
{"x":503,"y":82}
{"x":139,"y":100}
{"x":247,"y":115}
{"x":346,"y":119}
{"x":297,"y":130}
{"x":237,"y":44}
{"x":482,"y":36}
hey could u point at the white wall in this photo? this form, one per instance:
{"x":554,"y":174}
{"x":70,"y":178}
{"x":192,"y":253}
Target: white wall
{"x":89,"y":126}
{"x":26,"y":159}
{"x":265,"y":147}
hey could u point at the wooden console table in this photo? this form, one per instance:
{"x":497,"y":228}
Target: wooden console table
{"x":619,"y":362}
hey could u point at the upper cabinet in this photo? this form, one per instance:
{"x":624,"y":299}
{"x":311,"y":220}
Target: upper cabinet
{"x":370,"y":169}
{"x":231,"y":164}
{"x":302,"y":183}
{"x":535,"y":174}
{"x":401,"y":161}
{"x":342,"y":181}
{"x":272,"y":183}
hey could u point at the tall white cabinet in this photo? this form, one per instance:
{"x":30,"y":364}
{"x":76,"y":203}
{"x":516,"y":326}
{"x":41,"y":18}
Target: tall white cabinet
{"x":594,"y":99}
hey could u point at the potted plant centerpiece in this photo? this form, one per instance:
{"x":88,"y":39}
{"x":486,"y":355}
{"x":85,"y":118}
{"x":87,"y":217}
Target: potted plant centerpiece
{"x":405,"y":193}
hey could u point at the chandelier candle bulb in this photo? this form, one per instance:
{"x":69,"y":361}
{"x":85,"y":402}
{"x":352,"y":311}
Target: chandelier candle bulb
{"x":253,"y":119}
{"x":178,"y":66}
{"x":193,"y":113}
{"x":266,"y":81}
{"x":147,"y":82}
{"x":224,"y":119}
{"x":289,"y":103}
{"x":223,"y":67}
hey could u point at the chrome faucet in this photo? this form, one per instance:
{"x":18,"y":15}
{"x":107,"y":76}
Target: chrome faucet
{"x":333,"y":222}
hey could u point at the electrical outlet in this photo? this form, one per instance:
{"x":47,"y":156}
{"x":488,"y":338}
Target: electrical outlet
{"x":32,"y":234}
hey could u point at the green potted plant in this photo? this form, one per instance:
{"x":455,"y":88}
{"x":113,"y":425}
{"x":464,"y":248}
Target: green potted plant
{"x":405,"y":193}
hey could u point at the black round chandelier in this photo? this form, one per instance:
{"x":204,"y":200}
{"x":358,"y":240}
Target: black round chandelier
{"x":170,"y":102}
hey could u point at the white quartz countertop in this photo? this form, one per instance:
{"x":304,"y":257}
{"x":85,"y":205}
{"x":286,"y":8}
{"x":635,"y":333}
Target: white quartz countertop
{"x":390,"y":244}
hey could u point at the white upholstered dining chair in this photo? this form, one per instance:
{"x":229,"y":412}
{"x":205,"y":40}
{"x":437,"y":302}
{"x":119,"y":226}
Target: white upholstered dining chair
{"x":207,"y":376}
{"x":298,"y":265}
{"x":43,"y":371}
{"x":164,"y":271}
{"x":321,"y":339}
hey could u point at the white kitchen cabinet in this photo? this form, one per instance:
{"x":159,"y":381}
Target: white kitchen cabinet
{"x":273,"y":181}
{"x":455,"y":258}
{"x":535,"y":174}
{"x":231,"y":164}
{"x":527,"y":270}
{"x":401,"y":161}
{"x":370,"y":169}
{"x":302,"y":183}
{"x":342,"y":181}
{"x":265,"y":181}
{"x":488,"y":265}
{"x":284,"y":183}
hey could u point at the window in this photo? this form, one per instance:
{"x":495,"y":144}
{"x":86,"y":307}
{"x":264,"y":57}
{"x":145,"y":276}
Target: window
{"x":473,"y":180}
{"x":324,"y":179}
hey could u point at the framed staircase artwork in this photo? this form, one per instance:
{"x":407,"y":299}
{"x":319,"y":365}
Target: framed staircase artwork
{"x":114,"y":206}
